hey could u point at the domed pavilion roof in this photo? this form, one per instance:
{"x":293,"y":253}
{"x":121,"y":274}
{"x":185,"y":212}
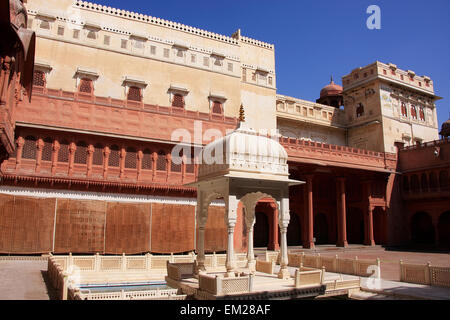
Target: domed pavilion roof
{"x":331,"y":89}
{"x":445,"y":129}
{"x":244,"y":153}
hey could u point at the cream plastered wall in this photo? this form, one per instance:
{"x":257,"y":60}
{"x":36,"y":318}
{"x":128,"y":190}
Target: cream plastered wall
{"x":158,"y":57}
{"x":311,"y":132}
{"x":376,"y":86}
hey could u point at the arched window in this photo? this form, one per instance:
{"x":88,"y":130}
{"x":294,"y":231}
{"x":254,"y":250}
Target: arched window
{"x":131,"y":158}
{"x":421,"y":114}
{"x":413,"y":112}
{"x":97,"y":158}
{"x":39,"y":78}
{"x":134,"y":94}
{"x":147,"y":160}
{"x":86,"y":86}
{"x":63,"y":153}
{"x":47,"y":151}
{"x":360,"y":110}
{"x":161,"y":161}
{"x":81,"y":153}
{"x":403,"y":110}
{"x":217,"y":107}
{"x":114,"y":157}
{"x":29,"y":148}
{"x":178,"y":101}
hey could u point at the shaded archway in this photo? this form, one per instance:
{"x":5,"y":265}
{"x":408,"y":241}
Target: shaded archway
{"x":261,"y":230}
{"x":444,"y":229}
{"x":321,"y":228}
{"x":379,"y":227}
{"x":294,"y":236}
{"x":355,"y":225}
{"x":422,"y":230}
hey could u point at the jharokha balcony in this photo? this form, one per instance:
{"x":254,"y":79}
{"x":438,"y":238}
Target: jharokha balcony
{"x":82,"y":141}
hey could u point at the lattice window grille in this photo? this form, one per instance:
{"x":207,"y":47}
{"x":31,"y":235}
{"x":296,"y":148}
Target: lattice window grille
{"x":161,"y":162}
{"x":47,"y":150}
{"x":81,"y":153}
{"x":39,"y":78}
{"x":134,"y":94}
{"x":147,"y":160}
{"x":29,"y":148}
{"x":63,"y":153}
{"x":114,"y":157}
{"x":97,"y":158}
{"x":178,"y":101}
{"x":131,"y":159}
{"x":86,"y":86}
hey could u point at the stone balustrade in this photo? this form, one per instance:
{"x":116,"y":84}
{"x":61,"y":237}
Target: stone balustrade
{"x":425,"y":274}
{"x":357,"y":267}
{"x":306,"y":277}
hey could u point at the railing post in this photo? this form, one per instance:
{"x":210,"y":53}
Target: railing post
{"x":124,"y":262}
{"x":379,"y":268}
{"x":148,"y":257}
{"x":427,"y":274}
{"x":65,"y":285}
{"x":97,"y":262}
{"x":401,"y":271}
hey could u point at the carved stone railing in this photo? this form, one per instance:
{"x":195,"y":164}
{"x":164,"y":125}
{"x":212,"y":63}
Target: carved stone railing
{"x":265,"y":266}
{"x":306,"y":277}
{"x":357,"y":267}
{"x":301,"y":150}
{"x":425,"y":274}
{"x":218,"y":285}
{"x":157,"y":294}
{"x":178,"y":271}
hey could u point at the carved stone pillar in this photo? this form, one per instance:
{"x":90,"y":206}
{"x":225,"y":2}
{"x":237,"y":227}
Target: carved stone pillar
{"x":342,"y":230}
{"x":39,"y":148}
{"x":55,"y":152}
{"x":90,"y":157}
{"x":122,"y":156}
{"x":251,"y":262}
{"x":72,"y":149}
{"x":168,"y":165}
{"x":140,"y":156}
{"x":154,"y":160}
{"x":106,"y":153}
{"x":284,"y":222}
{"x":231,"y":218}
{"x":183,"y":168}
{"x":230,"y":263}
{"x":20,"y":142}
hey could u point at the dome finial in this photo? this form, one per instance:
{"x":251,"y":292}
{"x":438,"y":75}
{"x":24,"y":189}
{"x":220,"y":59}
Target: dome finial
{"x":331,"y":79}
{"x":241,"y":114}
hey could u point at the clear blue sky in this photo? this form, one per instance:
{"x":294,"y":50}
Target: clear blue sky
{"x":314,"y":39}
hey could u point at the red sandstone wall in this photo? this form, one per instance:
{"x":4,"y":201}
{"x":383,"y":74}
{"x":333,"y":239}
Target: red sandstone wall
{"x":28,"y":226}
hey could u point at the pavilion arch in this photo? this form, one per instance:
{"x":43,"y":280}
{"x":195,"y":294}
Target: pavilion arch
{"x":253,"y":167}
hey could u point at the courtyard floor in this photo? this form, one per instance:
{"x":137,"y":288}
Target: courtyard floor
{"x":25,"y":278}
